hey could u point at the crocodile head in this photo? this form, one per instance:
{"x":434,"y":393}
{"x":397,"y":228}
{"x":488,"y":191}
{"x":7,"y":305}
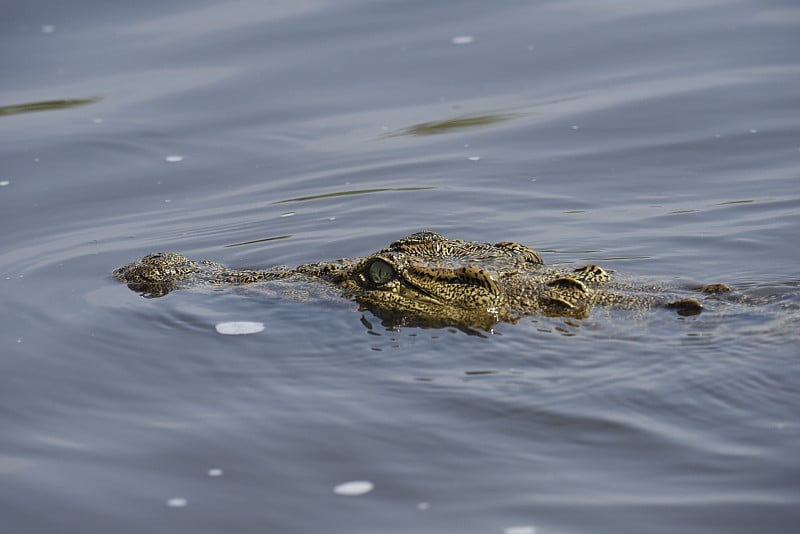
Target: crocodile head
{"x":403,"y":291}
{"x":427,"y":280}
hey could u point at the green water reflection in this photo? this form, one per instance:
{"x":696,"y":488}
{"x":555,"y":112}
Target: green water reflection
{"x":46,"y":105}
{"x":461,"y":123}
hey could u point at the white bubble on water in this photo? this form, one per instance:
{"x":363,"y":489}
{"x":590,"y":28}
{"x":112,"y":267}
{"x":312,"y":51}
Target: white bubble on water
{"x":215,"y":472}
{"x":177,"y":502}
{"x":173,"y":159}
{"x":521,"y":529}
{"x":236,"y":328}
{"x":474,"y":158}
{"x":354,"y":488}
{"x":48,"y":28}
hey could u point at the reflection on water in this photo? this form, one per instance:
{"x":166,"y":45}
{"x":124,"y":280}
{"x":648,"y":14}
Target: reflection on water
{"x":656,"y":123}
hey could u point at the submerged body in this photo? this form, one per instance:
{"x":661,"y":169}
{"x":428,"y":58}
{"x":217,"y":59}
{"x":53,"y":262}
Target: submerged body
{"x":427,"y":280}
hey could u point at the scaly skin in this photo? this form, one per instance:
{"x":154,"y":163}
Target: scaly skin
{"x":427,"y":280}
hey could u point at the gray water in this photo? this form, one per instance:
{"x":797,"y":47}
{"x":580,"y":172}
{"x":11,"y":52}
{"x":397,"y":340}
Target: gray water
{"x":658,"y":139}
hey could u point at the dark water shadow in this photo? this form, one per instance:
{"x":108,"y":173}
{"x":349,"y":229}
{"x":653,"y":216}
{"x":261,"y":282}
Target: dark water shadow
{"x":349,"y":193}
{"x":262,"y":240}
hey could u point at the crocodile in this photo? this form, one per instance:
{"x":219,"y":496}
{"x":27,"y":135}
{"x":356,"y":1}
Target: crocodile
{"x":425,"y":279}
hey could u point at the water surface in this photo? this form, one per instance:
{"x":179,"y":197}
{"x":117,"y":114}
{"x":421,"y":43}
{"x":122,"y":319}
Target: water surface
{"x":658,"y":139}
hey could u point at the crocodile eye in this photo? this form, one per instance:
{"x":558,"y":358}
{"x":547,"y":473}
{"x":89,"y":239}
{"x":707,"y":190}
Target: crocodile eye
{"x":380,"y":272}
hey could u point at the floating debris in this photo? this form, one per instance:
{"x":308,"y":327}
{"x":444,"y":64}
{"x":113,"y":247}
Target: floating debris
{"x":216,"y":472}
{"x":354,"y":488}
{"x":4,"y":183}
{"x":522,"y":529}
{"x":236,"y":328}
{"x":474,"y":158}
{"x":173,"y":159}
